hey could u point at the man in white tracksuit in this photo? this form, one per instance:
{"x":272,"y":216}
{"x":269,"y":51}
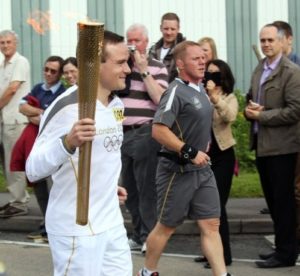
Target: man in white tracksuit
{"x":99,"y":248}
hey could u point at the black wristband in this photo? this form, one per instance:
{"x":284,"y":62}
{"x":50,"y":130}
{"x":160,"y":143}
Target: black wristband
{"x":188,"y":152}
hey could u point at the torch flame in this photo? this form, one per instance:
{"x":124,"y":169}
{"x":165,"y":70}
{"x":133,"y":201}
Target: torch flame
{"x":41,"y":22}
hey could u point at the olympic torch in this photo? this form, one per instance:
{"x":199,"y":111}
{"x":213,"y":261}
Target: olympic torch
{"x":90,"y":39}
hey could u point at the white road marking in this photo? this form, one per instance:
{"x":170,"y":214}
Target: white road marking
{"x":39,"y":244}
{"x":36,"y":244}
{"x":194,"y":256}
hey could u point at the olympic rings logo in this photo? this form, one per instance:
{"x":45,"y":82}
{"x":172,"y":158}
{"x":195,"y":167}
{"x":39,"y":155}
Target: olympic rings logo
{"x":113,"y":142}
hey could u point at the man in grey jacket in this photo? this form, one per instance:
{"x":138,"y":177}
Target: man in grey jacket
{"x":274,"y":109}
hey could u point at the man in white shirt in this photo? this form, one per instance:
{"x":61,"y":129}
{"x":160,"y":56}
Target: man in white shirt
{"x":14,"y":84}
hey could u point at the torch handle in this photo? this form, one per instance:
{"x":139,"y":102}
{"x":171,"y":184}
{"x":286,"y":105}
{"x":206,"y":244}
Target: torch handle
{"x":83,"y":190}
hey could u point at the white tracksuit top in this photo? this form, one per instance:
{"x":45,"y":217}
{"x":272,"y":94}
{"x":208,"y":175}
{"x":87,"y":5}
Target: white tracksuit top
{"x":49,"y":157}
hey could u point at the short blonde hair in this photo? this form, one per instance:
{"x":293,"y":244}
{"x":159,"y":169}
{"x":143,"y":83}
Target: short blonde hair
{"x":211,"y":43}
{"x":180,"y":49}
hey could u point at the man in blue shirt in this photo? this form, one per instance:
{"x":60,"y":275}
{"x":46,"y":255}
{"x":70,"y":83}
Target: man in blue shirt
{"x":287,"y":41}
{"x":45,"y":92}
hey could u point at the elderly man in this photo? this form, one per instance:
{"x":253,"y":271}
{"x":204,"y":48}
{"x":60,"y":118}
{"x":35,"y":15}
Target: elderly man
{"x":145,"y":86}
{"x":14,"y":84}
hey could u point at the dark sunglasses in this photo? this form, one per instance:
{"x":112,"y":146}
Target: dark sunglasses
{"x":52,"y":71}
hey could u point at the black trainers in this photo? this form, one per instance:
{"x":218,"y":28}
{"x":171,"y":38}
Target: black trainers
{"x":12,"y":211}
{"x":265,"y":211}
{"x":4,"y":207}
{"x":200,"y":260}
{"x":37,"y":234}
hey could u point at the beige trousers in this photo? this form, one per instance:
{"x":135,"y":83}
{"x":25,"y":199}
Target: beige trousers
{"x":15,"y":181}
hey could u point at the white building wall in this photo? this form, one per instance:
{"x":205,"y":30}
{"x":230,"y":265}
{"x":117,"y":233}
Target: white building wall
{"x":64,"y":17}
{"x":269,"y":11}
{"x":198,"y":18}
{"x":5,"y":17}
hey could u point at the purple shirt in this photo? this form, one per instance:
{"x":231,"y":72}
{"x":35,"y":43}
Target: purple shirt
{"x":268,"y":69}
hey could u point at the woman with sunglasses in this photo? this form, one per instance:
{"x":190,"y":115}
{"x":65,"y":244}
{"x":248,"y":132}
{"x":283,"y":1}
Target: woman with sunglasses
{"x":222,"y":146}
{"x":219,"y":84}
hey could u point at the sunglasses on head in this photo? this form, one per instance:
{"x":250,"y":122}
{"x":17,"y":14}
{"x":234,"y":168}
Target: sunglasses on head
{"x":52,"y":71}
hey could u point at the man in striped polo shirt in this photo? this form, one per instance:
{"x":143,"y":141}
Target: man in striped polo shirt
{"x":145,"y":85}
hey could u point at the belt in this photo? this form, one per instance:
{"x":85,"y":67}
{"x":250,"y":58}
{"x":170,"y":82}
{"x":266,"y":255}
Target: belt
{"x":131,"y":127}
{"x":173,"y":157}
{"x":176,"y":158}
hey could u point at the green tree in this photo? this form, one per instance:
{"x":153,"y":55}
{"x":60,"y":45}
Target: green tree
{"x":241,"y":133}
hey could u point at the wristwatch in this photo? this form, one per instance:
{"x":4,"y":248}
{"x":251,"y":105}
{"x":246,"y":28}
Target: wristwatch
{"x":145,"y":74}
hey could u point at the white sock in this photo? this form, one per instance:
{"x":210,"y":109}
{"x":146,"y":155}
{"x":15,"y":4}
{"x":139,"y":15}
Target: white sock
{"x":148,"y":272}
{"x":224,"y":274}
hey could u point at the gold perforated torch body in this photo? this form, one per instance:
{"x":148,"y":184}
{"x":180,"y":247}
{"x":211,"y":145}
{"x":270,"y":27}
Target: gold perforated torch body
{"x":90,"y":39}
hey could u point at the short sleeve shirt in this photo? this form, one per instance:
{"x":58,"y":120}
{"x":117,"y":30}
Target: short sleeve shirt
{"x":17,"y":69}
{"x":188,"y":113}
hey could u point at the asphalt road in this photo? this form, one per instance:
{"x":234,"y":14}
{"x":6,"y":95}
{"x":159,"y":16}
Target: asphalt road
{"x":24,"y":258}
